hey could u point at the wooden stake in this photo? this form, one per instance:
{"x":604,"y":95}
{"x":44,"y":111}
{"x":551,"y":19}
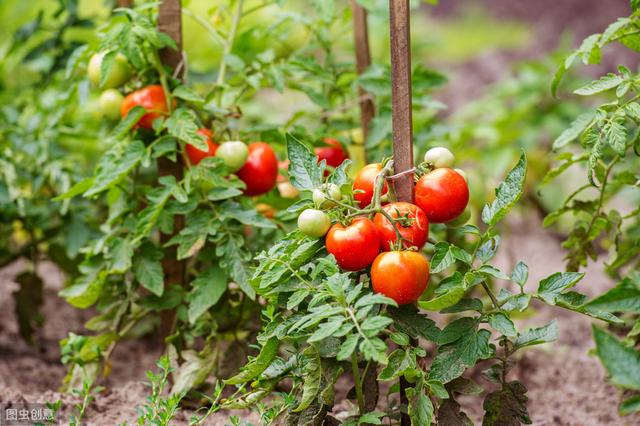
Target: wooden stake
{"x":363,"y":60}
{"x":170,"y":22}
{"x":401,"y":97}
{"x":402,"y":121}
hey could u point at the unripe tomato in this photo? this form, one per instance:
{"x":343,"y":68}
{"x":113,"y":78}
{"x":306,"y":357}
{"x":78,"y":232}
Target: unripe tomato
{"x":400,"y":275}
{"x":314,"y":223}
{"x":260,"y":171}
{"x":333,"y":153}
{"x":321,"y":195}
{"x":443,"y":194}
{"x":287,"y":190}
{"x":196,"y":155}
{"x":439,"y":157}
{"x":110,"y":103}
{"x":119,"y":73}
{"x":364,"y":184}
{"x":463,"y":174}
{"x":354,"y":246}
{"x":415,"y":233}
{"x":234,"y":154}
{"x":150,"y":98}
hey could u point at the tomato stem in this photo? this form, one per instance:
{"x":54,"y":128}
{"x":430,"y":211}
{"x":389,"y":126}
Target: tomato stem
{"x":357,"y":383}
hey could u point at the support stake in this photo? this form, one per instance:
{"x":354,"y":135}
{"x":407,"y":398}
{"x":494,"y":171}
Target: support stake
{"x":402,"y":121}
{"x":170,"y":22}
{"x":363,"y":60}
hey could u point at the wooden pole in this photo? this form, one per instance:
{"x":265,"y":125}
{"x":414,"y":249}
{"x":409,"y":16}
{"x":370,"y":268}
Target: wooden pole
{"x":124,"y":3}
{"x":401,"y":120}
{"x":170,"y":22}
{"x":363,"y":60}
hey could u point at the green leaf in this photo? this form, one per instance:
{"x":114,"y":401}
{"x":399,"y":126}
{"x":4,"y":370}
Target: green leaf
{"x":537,"y":336}
{"x":400,"y":361}
{"x":552,"y":286}
{"x":624,"y":297}
{"x":207,"y":289}
{"x":256,"y":366}
{"x":501,"y":323}
{"x":506,"y":406}
{"x":493,"y":272}
{"x":193,"y":371}
{"x":148,"y":270}
{"x":488,"y":249}
{"x":376,"y":323}
{"x":304,"y":171}
{"x":520,"y":274}
{"x":116,"y":164}
{"x":347,"y":347}
{"x":507,"y":194}
{"x":133,"y":116}
{"x":313,"y":379}
{"x":246,"y":216}
{"x":616,"y":134}
{"x":629,"y":406}
{"x":420,"y":407}
{"x":182,"y":124}
{"x":575,"y":129}
{"x":445,"y":255}
{"x":326,"y":329}
{"x":454,"y":358}
{"x":187,"y":94}
{"x":604,"y":83}
{"x":622,"y":362}
{"x":76,"y":189}
{"x":450,"y":298}
{"x":409,"y":320}
{"x":86,"y":289}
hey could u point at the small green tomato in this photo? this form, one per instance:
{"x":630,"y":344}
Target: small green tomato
{"x":110,"y":102}
{"x":234,"y":154}
{"x":439,"y":157}
{"x":322,"y":195}
{"x":314,"y":223}
{"x":119,"y":73}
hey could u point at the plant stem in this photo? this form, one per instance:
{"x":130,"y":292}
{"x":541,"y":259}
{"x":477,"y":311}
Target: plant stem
{"x":228,"y":46}
{"x":357,"y":383}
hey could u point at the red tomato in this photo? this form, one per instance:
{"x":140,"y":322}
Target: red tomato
{"x":400,"y":275}
{"x":260,"y":171}
{"x":152,"y":99}
{"x":333,"y":153}
{"x":354,"y":246}
{"x":196,"y":155}
{"x":415,"y":232}
{"x":365,"y":182}
{"x":443,"y":194}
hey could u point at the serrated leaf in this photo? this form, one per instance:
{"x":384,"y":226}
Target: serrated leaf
{"x":347,"y":347}
{"x":624,"y":297}
{"x":116,"y":164}
{"x":313,"y":379}
{"x":507,"y":194}
{"x":420,"y":407}
{"x":493,"y":271}
{"x":604,"y":83}
{"x":148,"y":270}
{"x":506,"y":406}
{"x":454,"y":358}
{"x":622,"y":362}
{"x":555,"y":284}
{"x":520,"y":274}
{"x":256,"y":366}
{"x":537,"y":336}
{"x":400,"y":361}
{"x":575,"y":129}
{"x":616,"y":135}
{"x":503,"y":324}
{"x":304,"y":171}
{"x":182,"y":124}
{"x":207,"y":289}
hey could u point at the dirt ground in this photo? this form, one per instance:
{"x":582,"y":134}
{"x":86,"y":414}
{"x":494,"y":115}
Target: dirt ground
{"x":566,"y":384}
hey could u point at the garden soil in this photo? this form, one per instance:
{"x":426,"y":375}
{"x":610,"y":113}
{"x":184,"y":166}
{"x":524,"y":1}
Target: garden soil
{"x":566,"y":384}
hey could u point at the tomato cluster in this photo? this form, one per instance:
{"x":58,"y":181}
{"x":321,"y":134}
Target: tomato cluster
{"x":256,"y":164}
{"x":388,"y":236}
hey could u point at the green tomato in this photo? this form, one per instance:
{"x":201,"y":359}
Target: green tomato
{"x":439,"y":157}
{"x":314,"y":223}
{"x":234,"y":154}
{"x":460,"y":220}
{"x":119,"y":73}
{"x":110,"y":103}
{"x":321,"y":195}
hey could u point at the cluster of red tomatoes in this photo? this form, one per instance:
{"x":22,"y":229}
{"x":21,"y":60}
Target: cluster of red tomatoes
{"x":256,"y":164}
{"x":368,"y":236}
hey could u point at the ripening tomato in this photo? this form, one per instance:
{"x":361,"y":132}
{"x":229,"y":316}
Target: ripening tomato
{"x":196,"y":155}
{"x":354,"y":246}
{"x":443,"y":194}
{"x":260,"y":172}
{"x":439,"y":157}
{"x":400,"y":275}
{"x":334,"y":154}
{"x":152,"y":99}
{"x":110,"y":103}
{"x":314,"y":223}
{"x":413,"y":226}
{"x":323,"y":197}
{"x":364,"y":184}
{"x":118,"y":74}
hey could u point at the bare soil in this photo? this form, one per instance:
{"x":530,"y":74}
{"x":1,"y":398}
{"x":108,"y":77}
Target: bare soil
{"x":566,"y":385}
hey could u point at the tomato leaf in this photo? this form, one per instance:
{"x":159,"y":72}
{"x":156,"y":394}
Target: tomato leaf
{"x":208,"y":288}
{"x":507,"y":193}
{"x":622,"y":362}
{"x":506,"y":406}
{"x":536,"y":336}
{"x":257,"y":365}
{"x":304,"y":171}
